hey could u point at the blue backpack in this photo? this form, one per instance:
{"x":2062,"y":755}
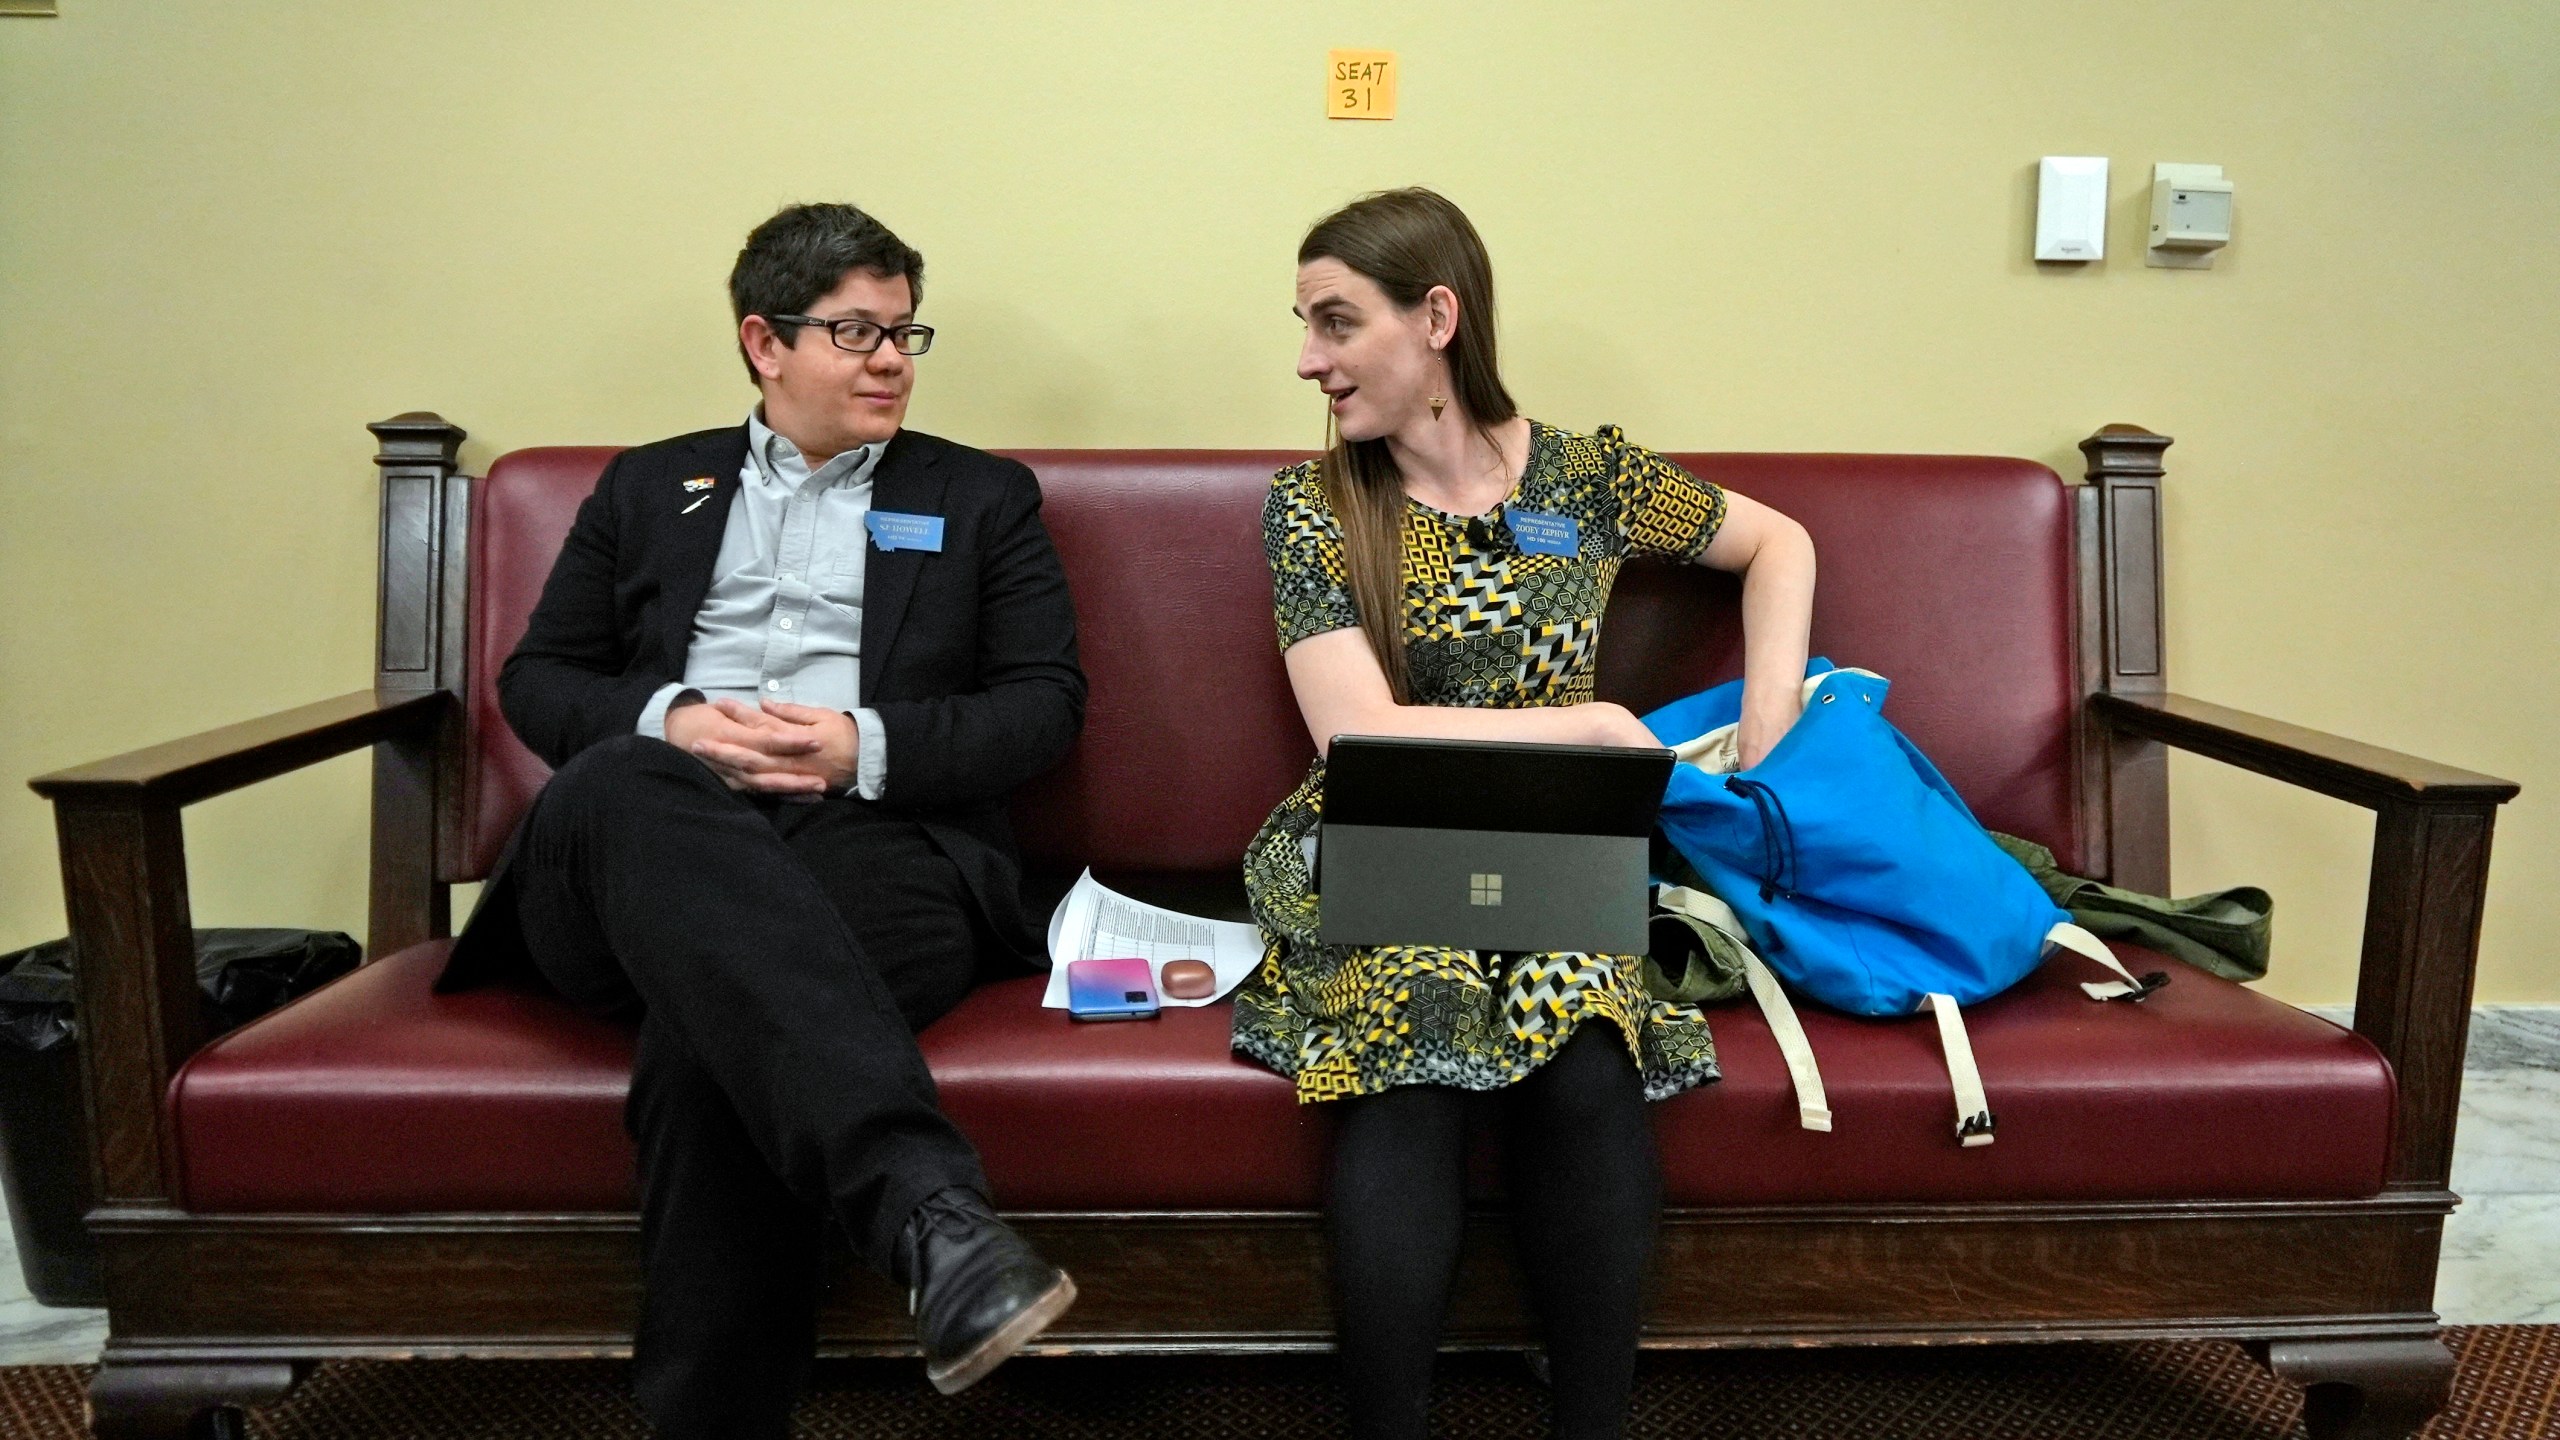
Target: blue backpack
{"x":1848,"y":866}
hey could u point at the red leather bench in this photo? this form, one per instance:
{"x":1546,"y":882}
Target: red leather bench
{"x":1952,"y":576}
{"x":2211,"y":1162}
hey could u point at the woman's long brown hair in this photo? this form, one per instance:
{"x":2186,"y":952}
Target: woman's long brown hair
{"x":1404,"y":241}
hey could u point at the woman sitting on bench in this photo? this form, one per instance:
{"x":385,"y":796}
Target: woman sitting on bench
{"x":1441,"y":572}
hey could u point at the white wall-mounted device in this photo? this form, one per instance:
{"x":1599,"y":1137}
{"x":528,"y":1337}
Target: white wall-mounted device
{"x":2190,"y":216}
{"x":2071,"y":208}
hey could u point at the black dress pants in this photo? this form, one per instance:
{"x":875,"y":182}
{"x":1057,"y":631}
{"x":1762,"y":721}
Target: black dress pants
{"x":780,"y":958}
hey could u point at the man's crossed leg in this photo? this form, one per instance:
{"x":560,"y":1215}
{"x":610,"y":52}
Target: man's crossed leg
{"x":780,"y":957}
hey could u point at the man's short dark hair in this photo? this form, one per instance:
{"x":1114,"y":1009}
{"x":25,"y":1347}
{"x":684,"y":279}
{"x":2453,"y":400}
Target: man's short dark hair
{"x":798,"y":257}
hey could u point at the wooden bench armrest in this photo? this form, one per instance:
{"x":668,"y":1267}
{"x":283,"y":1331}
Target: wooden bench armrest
{"x":124,"y":891}
{"x":2333,"y":765}
{"x":181,"y":772}
{"x":2429,"y":882}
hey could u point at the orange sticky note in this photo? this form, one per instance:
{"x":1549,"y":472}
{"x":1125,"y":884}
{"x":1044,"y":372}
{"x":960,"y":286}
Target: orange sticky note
{"x":1360,"y":85}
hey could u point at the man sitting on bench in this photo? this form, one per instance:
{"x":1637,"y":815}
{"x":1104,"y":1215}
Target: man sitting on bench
{"x":787,"y":673}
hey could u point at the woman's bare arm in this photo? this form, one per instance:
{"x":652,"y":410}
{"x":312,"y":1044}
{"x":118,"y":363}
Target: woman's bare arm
{"x":1774,"y":557}
{"x":1341,"y":691}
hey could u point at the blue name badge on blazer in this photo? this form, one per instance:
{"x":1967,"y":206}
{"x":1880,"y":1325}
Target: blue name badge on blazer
{"x":1543,"y":534}
{"x":893,"y":531}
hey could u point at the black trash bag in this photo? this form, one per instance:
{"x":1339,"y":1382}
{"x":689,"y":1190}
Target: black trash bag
{"x":44,"y":1135}
{"x":244,"y":973}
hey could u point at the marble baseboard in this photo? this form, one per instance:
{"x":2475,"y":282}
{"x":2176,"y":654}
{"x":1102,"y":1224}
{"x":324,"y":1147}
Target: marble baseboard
{"x":2506,"y":1140}
{"x":2514,"y":1037}
{"x":2503,"y":1037}
{"x":33,"y":1334}
{"x":2501,"y":1262}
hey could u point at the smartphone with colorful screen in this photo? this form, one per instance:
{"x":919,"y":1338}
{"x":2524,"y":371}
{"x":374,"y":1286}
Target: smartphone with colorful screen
{"x":1123,"y":989}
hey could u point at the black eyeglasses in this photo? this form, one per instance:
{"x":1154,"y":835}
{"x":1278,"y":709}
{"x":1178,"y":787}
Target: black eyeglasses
{"x":862,"y":336}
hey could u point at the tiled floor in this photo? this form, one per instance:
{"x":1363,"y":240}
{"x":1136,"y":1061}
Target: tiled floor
{"x":2501,"y":1251}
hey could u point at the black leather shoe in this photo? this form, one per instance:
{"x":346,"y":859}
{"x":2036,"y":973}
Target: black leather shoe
{"x":978,"y":1290}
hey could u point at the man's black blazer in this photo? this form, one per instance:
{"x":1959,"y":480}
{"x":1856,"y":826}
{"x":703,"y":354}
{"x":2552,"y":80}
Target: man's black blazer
{"x":968,"y":653}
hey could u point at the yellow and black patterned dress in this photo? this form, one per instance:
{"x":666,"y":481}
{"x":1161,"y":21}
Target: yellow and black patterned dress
{"x":1485,"y":625}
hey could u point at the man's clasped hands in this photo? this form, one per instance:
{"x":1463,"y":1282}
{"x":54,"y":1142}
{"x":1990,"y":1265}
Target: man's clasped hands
{"x":798,"y":752}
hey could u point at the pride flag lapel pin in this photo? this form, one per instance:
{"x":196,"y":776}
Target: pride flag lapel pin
{"x":701,"y":484}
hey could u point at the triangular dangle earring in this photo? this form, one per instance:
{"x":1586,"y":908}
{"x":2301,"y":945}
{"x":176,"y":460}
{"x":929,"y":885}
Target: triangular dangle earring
{"x":1438,"y":402}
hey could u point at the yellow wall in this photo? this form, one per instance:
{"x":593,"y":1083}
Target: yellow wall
{"x":232,"y":232}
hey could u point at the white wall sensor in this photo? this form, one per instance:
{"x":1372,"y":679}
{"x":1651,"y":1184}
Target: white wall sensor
{"x":2071,"y":207}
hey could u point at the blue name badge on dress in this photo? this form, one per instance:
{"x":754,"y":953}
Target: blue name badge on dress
{"x":1543,"y":534}
{"x":893,"y":531}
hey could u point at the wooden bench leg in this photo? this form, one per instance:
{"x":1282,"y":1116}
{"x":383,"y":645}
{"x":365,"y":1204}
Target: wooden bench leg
{"x":151,"y":1401}
{"x":2382,"y":1388}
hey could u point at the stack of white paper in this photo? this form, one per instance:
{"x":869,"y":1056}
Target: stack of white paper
{"x":1095,"y":923}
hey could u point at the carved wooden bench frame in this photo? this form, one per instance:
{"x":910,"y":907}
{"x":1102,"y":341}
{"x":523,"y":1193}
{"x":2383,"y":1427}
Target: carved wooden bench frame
{"x":211,"y":1310}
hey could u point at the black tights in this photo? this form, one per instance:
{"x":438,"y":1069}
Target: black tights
{"x":1579,"y":1166}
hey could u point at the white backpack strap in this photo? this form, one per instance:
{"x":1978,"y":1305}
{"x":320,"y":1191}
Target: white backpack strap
{"x":1700,"y":906}
{"x":1974,"y":1122}
{"x":2072,"y":937}
{"x":1813,"y":1108}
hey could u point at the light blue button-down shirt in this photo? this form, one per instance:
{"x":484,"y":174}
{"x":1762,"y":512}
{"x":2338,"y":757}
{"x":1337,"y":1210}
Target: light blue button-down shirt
{"x":783,"y":617}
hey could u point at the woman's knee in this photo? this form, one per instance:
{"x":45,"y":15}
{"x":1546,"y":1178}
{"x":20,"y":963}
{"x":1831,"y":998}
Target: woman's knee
{"x":1590,"y":1083}
{"x":1405,"y":1141}
{"x":1407,"y":1119}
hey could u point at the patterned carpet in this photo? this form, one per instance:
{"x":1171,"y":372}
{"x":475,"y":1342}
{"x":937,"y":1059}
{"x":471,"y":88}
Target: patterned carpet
{"x":2508,"y":1388}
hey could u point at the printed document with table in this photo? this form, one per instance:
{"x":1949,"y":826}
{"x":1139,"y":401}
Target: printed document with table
{"x":1095,"y":922}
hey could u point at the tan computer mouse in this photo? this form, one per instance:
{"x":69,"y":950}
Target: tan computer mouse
{"x":1188,"y":979}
